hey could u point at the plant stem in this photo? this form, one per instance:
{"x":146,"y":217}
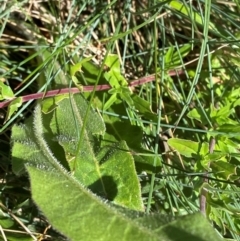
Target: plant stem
{"x":87,"y":88}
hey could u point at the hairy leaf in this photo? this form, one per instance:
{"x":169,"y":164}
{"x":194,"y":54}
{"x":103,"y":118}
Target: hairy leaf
{"x":80,"y":215}
{"x":108,"y":171}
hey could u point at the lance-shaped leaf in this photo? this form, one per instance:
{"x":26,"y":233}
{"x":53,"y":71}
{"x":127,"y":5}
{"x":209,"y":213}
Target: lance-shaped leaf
{"x":80,"y":215}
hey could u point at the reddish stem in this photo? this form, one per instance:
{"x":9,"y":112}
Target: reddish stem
{"x":87,"y":88}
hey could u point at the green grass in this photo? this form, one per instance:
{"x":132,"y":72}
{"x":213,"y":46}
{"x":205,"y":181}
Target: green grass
{"x":189,"y":54}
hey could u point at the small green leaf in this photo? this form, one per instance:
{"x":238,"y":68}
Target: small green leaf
{"x":222,"y":112}
{"x":126,"y":96}
{"x":193,"y":15}
{"x":194,"y":114}
{"x":143,"y":107}
{"x":197,"y":114}
{"x":227,"y":146}
{"x":237,"y":102}
{"x":215,"y":215}
{"x":114,"y":76}
{"x":229,"y":129}
{"x":49,"y":104}
{"x":185,"y":147}
{"x":90,"y":71}
{"x":145,"y":162}
{"x":188,"y":228}
{"x":77,"y":83}
{"x":204,"y":149}
{"x":48,"y":61}
{"x":6,"y":92}
{"x":14,"y":105}
{"x":169,"y":54}
{"x":113,"y":98}
{"x":223,"y":169}
{"x":220,"y":203}
{"x":78,"y":66}
{"x":173,"y":58}
{"x":112,"y":61}
{"x":216,"y":156}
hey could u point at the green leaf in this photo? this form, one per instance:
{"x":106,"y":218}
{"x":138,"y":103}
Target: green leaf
{"x":204,"y":149}
{"x":77,"y":83}
{"x":126,"y":96}
{"x":144,"y":108}
{"x":114,"y":129}
{"x":229,"y":129}
{"x":113,"y":98}
{"x":49,"y":104}
{"x":80,"y":215}
{"x":112,"y":61}
{"x":227,"y":146}
{"x":216,"y":156}
{"x":223,"y":112}
{"x":194,"y":16}
{"x":77,"y":67}
{"x":133,"y":135}
{"x":91,"y":72}
{"x":173,"y":58}
{"x":87,"y":217}
{"x":6,"y":92}
{"x":197,"y":114}
{"x":223,"y":169}
{"x":185,"y":147}
{"x":189,"y":227}
{"x":145,"y":162}
{"x":107,"y":170}
{"x":220,"y":116}
{"x":24,"y":147}
{"x":14,"y":105}
{"x":114,"y":76}
{"x":220,"y":202}
{"x":169,"y":54}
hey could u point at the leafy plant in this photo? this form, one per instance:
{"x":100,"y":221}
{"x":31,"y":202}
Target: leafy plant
{"x":134,"y":105}
{"x":64,"y":188}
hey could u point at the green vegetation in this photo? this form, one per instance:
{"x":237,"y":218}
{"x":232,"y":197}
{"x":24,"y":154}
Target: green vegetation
{"x":119,"y":120}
